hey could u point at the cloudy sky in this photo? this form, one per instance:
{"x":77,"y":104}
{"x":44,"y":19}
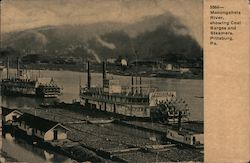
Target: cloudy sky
{"x":26,"y":14}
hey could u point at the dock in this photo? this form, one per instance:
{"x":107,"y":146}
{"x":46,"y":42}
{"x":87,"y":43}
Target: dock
{"x":114,"y":139}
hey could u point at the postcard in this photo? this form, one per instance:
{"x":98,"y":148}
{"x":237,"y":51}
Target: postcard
{"x":125,"y":81}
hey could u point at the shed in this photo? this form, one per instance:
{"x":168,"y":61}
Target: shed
{"x":10,"y":115}
{"x":44,"y":129}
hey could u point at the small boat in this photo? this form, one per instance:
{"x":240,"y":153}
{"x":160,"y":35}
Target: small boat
{"x":45,"y":104}
{"x":100,"y":121}
{"x":185,"y":135}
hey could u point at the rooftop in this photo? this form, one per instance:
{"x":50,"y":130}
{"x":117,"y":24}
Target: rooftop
{"x":6,"y":111}
{"x":38,"y":122}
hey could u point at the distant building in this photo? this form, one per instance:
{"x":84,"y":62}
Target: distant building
{"x":169,"y":67}
{"x":10,"y":115}
{"x":42,"y":128}
{"x":124,"y":62}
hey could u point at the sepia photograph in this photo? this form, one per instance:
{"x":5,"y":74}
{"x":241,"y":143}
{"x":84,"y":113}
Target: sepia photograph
{"x":102,"y":81}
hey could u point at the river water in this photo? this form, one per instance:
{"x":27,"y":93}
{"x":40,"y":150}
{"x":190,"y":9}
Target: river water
{"x":24,"y":152}
{"x":188,"y":89}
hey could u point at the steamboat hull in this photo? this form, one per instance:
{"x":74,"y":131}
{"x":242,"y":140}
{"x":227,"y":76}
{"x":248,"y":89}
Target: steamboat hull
{"x":129,"y":111}
{"x":50,"y":93}
{"x":134,"y":101}
{"x":17,"y":88}
{"x":27,"y":90}
{"x":18,"y":93}
{"x":28,"y":93}
{"x":22,"y":85}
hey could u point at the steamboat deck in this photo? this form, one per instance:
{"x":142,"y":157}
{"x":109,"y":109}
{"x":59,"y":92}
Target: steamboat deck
{"x":135,"y":101}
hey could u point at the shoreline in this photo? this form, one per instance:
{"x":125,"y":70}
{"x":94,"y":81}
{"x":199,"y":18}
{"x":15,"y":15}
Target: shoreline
{"x":119,"y":73}
{"x":103,"y":147}
{"x":55,"y":147}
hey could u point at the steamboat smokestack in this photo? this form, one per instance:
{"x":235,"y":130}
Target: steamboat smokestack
{"x":136,"y":84}
{"x":140,"y":86}
{"x":17,"y":67}
{"x":179,"y":120}
{"x":8,"y":67}
{"x":89,"y":77}
{"x":132,"y":84}
{"x":103,"y":73}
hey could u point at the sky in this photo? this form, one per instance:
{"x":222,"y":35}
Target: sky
{"x":26,"y":14}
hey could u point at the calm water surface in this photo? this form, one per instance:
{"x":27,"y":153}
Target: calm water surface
{"x":24,"y":152}
{"x":187,"y":89}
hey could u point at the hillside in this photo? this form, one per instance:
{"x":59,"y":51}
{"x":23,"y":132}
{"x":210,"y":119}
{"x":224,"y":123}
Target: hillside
{"x":152,"y":37}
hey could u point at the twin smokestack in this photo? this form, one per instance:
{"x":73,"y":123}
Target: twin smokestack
{"x":136,"y":85}
{"x":8,"y":67}
{"x":104,"y":78}
{"x":17,"y":67}
{"x":89,"y":77}
{"x":103,"y":74}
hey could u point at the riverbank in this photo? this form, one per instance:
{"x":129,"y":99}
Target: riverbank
{"x":117,"y":70}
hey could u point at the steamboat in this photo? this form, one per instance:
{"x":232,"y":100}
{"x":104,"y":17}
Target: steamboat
{"x":22,"y":85}
{"x":137,"y":100}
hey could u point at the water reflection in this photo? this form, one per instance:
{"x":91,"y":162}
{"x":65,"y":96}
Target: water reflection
{"x":187,"y":89}
{"x":24,"y":102}
{"x":22,"y":151}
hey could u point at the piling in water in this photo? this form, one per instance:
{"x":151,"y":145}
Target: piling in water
{"x":8,"y":67}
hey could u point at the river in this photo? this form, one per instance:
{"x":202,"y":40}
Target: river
{"x":188,"y":89}
{"x":24,"y":152}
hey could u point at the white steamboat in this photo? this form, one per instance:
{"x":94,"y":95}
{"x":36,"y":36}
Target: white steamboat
{"x":134,"y":101}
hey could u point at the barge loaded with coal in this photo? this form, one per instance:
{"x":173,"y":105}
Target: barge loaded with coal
{"x":137,"y":100}
{"x":22,"y":85}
